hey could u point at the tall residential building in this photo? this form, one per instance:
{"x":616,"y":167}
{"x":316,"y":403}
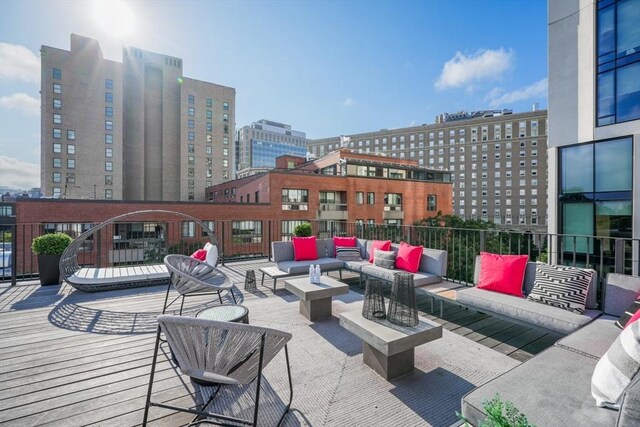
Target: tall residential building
{"x":259,"y":144}
{"x":594,"y":132}
{"x":497,"y":161}
{"x":136,"y":130}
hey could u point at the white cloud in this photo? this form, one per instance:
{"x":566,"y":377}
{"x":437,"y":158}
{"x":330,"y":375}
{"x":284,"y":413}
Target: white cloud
{"x":463,"y":70}
{"x":19,"y":63}
{"x":349,"y":102}
{"x":498,"y":97}
{"x":17,"y":174}
{"x":21,"y":102}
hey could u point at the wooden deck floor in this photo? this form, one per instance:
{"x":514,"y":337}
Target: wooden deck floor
{"x":73,"y":358}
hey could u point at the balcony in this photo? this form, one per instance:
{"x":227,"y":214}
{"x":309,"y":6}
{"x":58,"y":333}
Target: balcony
{"x":333,"y":211}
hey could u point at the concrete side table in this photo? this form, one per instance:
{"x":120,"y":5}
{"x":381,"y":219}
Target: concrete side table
{"x":315,"y":298}
{"x":389,"y":349}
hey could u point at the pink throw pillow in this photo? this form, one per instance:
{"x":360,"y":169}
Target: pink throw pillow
{"x":383,"y":245}
{"x":200,"y":255}
{"x":304,"y":248}
{"x":502,"y":273}
{"x":346,"y":242}
{"x":634,"y":318}
{"x":408,"y":257}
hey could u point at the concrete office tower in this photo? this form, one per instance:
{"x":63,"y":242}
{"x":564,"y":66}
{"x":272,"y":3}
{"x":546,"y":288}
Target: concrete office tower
{"x":497,"y":161}
{"x":594,"y":132}
{"x":259,"y":144}
{"x":164,"y":136}
{"x":81,"y":122}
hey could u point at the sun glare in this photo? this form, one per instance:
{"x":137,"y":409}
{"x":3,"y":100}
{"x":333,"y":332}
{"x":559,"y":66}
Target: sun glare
{"x":115,"y":18}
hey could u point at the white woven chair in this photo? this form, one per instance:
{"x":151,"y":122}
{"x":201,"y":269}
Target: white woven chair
{"x":214,"y":354}
{"x":191,"y":277}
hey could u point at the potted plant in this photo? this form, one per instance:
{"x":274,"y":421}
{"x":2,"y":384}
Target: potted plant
{"x":49,"y":247}
{"x":303,"y":230}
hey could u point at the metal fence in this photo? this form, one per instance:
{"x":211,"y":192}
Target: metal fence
{"x":144,"y":242}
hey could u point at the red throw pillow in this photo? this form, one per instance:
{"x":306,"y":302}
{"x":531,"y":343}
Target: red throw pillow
{"x":347,"y":242}
{"x":634,"y":318}
{"x":502,"y":273}
{"x":304,"y":248}
{"x":383,"y":245}
{"x":200,"y":255}
{"x":408,"y":257}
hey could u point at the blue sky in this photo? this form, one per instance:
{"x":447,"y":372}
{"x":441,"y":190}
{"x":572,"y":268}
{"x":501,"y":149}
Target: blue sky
{"x":325,"y":67}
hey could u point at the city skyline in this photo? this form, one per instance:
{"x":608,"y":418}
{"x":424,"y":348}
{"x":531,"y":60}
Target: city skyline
{"x":385,"y":66}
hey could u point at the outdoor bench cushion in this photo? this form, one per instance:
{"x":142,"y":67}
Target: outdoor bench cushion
{"x":419,"y":279}
{"x":546,"y":316}
{"x":594,"y":339}
{"x":302,"y":267}
{"x":356,"y":265}
{"x":552,"y":389}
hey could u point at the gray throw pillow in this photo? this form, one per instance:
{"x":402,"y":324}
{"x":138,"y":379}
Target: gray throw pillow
{"x":384,"y":259}
{"x":348,"y":253}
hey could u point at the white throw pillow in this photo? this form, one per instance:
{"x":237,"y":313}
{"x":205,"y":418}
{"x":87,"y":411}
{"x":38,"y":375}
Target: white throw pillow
{"x":212,"y":254}
{"x":616,"y":369}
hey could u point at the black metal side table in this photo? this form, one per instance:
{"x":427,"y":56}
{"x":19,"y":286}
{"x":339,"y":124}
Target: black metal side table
{"x":225,"y":313}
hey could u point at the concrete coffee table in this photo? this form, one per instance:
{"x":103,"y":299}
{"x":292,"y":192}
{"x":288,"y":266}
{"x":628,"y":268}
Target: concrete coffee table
{"x":315,"y":298}
{"x":388,"y":349}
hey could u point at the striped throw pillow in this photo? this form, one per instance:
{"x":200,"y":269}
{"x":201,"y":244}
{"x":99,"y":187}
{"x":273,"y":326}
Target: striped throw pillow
{"x":384,"y":259}
{"x":617,"y":368}
{"x":628,"y":313}
{"x":560,"y":286}
{"x":346,"y":253}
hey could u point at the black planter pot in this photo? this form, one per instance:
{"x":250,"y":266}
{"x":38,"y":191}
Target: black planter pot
{"x":49,"y":268}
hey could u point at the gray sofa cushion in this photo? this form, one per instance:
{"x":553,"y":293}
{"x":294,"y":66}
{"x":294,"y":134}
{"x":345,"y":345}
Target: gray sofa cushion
{"x":282,"y":251}
{"x":385,"y":259}
{"x":620,"y":291}
{"x":302,"y":267}
{"x":546,"y":316}
{"x":356,"y":265}
{"x":594,"y":339}
{"x":552,"y":389}
{"x":630,"y":407}
{"x":419,"y":278}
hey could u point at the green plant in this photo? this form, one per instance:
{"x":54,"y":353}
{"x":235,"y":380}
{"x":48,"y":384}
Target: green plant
{"x":5,"y":236}
{"x":544,"y":256}
{"x":51,"y":244}
{"x":303,"y":230}
{"x":501,"y":414}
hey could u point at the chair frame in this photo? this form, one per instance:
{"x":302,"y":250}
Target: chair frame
{"x":201,"y":415}
{"x":203,"y":287}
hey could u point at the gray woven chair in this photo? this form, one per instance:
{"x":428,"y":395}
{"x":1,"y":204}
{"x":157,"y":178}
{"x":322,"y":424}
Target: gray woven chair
{"x":214,"y":354}
{"x":191,"y":277}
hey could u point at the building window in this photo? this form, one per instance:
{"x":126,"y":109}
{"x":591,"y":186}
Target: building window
{"x":392,"y":202}
{"x":209,"y":102}
{"x":432,"y":203}
{"x":57,"y":177}
{"x":209,"y":126}
{"x":108,"y":97}
{"x":191,"y":148}
{"x":57,"y":119}
{"x":225,"y":106}
{"x":57,"y":74}
{"x":596,"y":184}
{"x":57,"y":163}
{"x":108,"y":166}
{"x":246,"y":231}
{"x":192,"y":136}
{"x":108,"y":125}
{"x":108,"y":139}
{"x":71,"y":149}
{"x":209,"y":138}
{"x":371,"y":198}
{"x":359,"y":197}
{"x":57,"y":133}
{"x":57,"y":88}
{"x":188,"y":229}
{"x":71,"y":134}
{"x":618,"y":64}
{"x":57,"y":192}
{"x":225,"y":117}
{"x":108,"y":180}
{"x":108,"y":84}
{"x":192,"y":111}
{"x":57,"y":103}
{"x":191,"y":184}
{"x":208,"y":150}
{"x":71,"y":163}
{"x":191,"y":172}
{"x":108,"y":111}
{"x":108,"y":193}
{"x":108,"y":152}
{"x":295,"y":199}
{"x":192,"y":99}
{"x":209,"y":115}
{"x":57,"y":148}
{"x":225,"y":163}
{"x":191,"y":160}
{"x":191,"y":124}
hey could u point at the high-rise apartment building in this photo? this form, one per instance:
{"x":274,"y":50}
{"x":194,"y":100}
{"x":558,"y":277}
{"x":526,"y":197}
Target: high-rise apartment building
{"x":136,"y":130}
{"x":497,"y":161}
{"x":259,"y":144}
{"x":594,"y":132}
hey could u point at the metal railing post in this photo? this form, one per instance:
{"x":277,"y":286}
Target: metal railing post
{"x":14,"y":249}
{"x":222,"y":245}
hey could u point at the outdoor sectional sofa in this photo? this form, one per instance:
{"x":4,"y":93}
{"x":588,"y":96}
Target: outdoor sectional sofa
{"x":521,"y":310}
{"x":554,"y":387}
{"x":433,"y":263}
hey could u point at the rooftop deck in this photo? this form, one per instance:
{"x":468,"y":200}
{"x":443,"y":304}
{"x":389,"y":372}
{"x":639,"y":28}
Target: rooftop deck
{"x":73,"y":358}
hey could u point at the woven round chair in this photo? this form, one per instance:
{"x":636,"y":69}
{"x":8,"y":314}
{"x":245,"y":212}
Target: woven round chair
{"x":215,"y":354}
{"x":191,"y":277}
